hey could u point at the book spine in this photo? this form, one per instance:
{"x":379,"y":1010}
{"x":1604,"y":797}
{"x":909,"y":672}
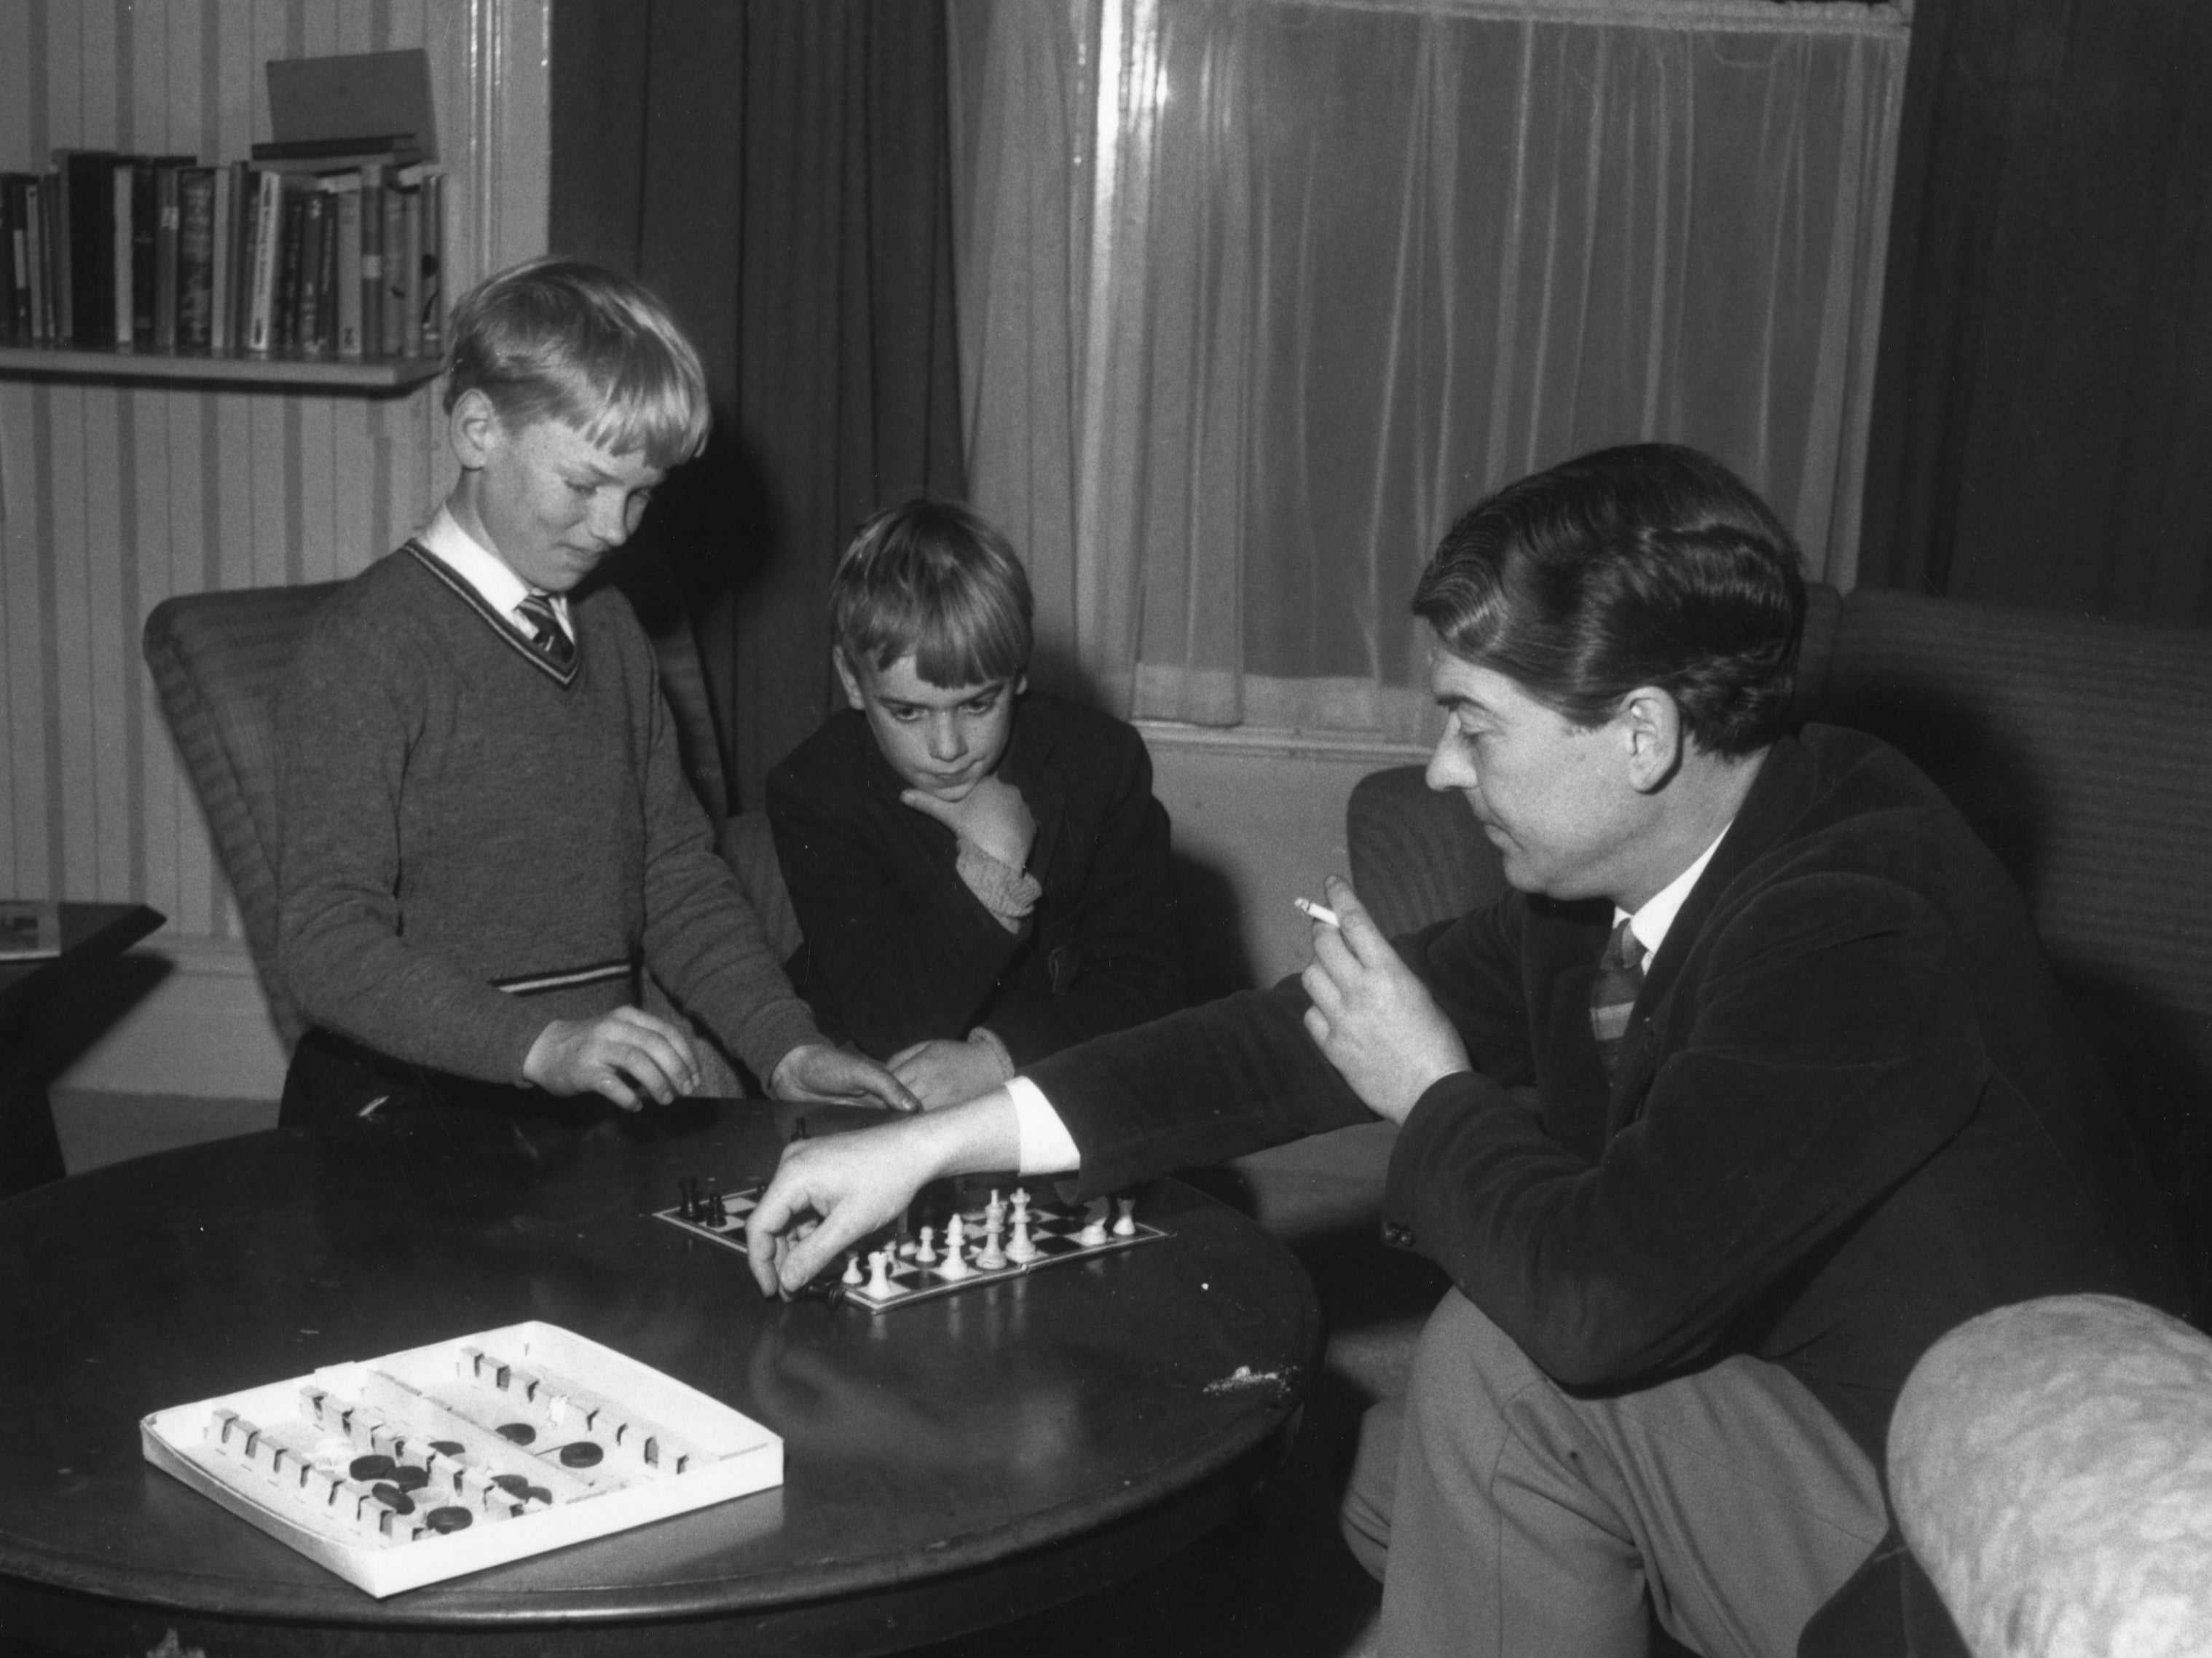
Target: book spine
{"x":372,"y":262}
{"x":395,"y":283}
{"x":61,"y":232}
{"x":124,"y":268}
{"x":246,"y":190}
{"x":345,"y":199}
{"x":411,"y":275}
{"x":431,"y":302}
{"x":194,"y":282}
{"x":168,"y":228}
{"x":38,"y":230}
{"x":89,"y":176}
{"x":14,"y":257}
{"x":303,"y":259}
{"x":222,"y":208}
{"x":268,"y":210}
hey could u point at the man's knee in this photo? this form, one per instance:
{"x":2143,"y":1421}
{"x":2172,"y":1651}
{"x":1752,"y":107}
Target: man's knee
{"x":1371,"y":1496}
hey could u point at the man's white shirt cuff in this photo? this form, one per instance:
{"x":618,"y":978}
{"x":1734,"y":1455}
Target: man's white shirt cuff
{"x":1046,"y":1146}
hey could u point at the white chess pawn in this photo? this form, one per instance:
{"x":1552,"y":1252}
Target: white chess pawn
{"x":1021,"y":1204}
{"x":1022,"y":1248}
{"x":879,"y":1273}
{"x":852,"y":1266}
{"x":926,"y":1251}
{"x":1094,"y":1224}
{"x":991,"y":1257}
{"x":1127,"y":1226}
{"x":955,"y":1264}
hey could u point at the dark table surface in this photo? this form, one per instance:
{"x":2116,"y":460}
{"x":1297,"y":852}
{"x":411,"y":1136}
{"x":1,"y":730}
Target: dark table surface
{"x":948,"y":1465}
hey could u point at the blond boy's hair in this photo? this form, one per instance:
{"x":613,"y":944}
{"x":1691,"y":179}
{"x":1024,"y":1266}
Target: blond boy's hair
{"x":933,"y":578}
{"x":556,"y":339}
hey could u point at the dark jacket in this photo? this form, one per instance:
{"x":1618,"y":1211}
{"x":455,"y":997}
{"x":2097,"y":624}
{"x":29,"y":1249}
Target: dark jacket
{"x":898,"y":950}
{"x":1851,"y":1109}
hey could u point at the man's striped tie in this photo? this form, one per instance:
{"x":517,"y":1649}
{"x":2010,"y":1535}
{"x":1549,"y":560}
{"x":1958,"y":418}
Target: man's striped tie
{"x":1613,"y":994}
{"x":546,"y":632}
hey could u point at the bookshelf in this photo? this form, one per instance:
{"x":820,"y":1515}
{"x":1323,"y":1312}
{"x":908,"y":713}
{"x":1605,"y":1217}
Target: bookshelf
{"x":373,"y":377}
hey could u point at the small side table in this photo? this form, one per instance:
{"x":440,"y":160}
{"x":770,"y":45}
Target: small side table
{"x":92,"y":936}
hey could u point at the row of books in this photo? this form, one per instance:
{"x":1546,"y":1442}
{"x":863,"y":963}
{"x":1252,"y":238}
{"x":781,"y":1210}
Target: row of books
{"x":159,"y":254}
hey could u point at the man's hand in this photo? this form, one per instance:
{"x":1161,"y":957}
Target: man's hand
{"x":828,"y":1193}
{"x":992,"y":815}
{"x":624,"y":1054}
{"x":1375,"y":1022}
{"x":943,"y":1074}
{"x":817,"y":1070}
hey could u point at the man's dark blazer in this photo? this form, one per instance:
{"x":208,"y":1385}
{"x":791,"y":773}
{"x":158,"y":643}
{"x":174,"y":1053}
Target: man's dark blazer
{"x":898,"y":950}
{"x":1850,"y":1109}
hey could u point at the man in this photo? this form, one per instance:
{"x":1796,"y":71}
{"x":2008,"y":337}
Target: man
{"x":1756,"y":1084}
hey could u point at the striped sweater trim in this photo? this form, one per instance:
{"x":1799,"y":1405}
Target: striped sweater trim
{"x":503,"y":626}
{"x":531,"y":984}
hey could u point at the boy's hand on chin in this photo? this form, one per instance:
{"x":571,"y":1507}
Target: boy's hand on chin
{"x":993,"y":816}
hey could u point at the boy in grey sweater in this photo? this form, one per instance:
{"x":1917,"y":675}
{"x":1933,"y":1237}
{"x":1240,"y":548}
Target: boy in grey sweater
{"x":487,"y":836}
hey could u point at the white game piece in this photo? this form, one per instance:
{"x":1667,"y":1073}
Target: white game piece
{"x":1021,"y":1204}
{"x":879,"y":1273}
{"x":955,"y":1265}
{"x":1094,"y":1223}
{"x":1022,"y":1248}
{"x":1127,"y":1226}
{"x":994,"y":1212}
{"x":991,"y":1257}
{"x":852,"y":1266}
{"x":926,"y":1251}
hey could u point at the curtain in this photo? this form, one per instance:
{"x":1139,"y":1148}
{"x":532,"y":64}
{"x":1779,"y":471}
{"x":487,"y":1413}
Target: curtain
{"x":780,"y":174}
{"x":1256,"y":296}
{"x":2043,"y":408}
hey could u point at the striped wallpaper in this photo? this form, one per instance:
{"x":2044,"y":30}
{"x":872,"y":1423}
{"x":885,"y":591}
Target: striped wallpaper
{"x":113,"y":497}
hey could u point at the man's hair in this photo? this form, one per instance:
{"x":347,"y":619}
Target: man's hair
{"x":1649,"y":564}
{"x":557,"y":339}
{"x":933,"y":578}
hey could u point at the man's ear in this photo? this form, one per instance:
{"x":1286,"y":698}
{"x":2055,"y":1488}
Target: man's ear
{"x":848,"y":677}
{"x":1651,"y":723}
{"x":473,"y":428}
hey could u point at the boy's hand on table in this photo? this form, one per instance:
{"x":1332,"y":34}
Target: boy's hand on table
{"x":992,"y":815}
{"x":830,"y":1192}
{"x":943,"y":1074}
{"x":1371,"y":1017}
{"x":624,"y":1055}
{"x":820,"y":1071}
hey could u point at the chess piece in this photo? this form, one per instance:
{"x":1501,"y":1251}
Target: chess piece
{"x":879,"y":1274}
{"x":1021,"y":1204}
{"x":926,"y":1251}
{"x":955,"y":1265}
{"x":852,"y":1266}
{"x":1127,"y":1226}
{"x":1094,"y":1224}
{"x":1022,"y":1248}
{"x":995,"y":1212}
{"x":991,"y":1257}
{"x":687,"y":1207}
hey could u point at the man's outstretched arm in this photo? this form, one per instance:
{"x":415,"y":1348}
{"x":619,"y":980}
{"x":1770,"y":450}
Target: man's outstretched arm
{"x":828,"y":1193}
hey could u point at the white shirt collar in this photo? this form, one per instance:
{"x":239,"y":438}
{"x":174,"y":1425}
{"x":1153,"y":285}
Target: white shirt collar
{"x":1650,"y":923}
{"x":481,"y":569}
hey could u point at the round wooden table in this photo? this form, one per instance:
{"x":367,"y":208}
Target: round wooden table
{"x":948,"y":1465}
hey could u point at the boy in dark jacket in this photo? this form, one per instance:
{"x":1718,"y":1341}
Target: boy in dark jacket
{"x":981,"y":871}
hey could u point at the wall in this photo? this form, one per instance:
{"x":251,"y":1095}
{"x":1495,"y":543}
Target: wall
{"x":112,"y":497}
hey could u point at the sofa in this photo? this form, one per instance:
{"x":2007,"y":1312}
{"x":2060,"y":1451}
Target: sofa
{"x":2074,"y":747}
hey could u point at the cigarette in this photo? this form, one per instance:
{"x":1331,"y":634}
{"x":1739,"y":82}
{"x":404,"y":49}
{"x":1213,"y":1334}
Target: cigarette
{"x":1319,"y":912}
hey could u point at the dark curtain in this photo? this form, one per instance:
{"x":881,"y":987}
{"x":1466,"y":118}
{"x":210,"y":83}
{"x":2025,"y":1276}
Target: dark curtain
{"x":779,"y":173}
{"x":2043,"y":408}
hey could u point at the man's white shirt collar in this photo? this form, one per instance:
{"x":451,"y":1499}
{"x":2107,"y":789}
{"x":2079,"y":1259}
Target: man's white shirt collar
{"x":481,"y":569}
{"x":1651,"y":922}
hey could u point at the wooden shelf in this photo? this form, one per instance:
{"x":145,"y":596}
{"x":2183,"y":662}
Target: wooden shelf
{"x":382,"y":375}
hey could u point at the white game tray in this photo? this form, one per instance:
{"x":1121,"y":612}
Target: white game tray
{"x":420,"y":1466}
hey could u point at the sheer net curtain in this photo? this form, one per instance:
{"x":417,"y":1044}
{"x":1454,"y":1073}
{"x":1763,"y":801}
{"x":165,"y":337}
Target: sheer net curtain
{"x":1256,"y":296}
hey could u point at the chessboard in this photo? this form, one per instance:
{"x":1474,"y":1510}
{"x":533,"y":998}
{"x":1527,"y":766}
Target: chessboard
{"x":419,"y":1465}
{"x":942,"y":1246}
